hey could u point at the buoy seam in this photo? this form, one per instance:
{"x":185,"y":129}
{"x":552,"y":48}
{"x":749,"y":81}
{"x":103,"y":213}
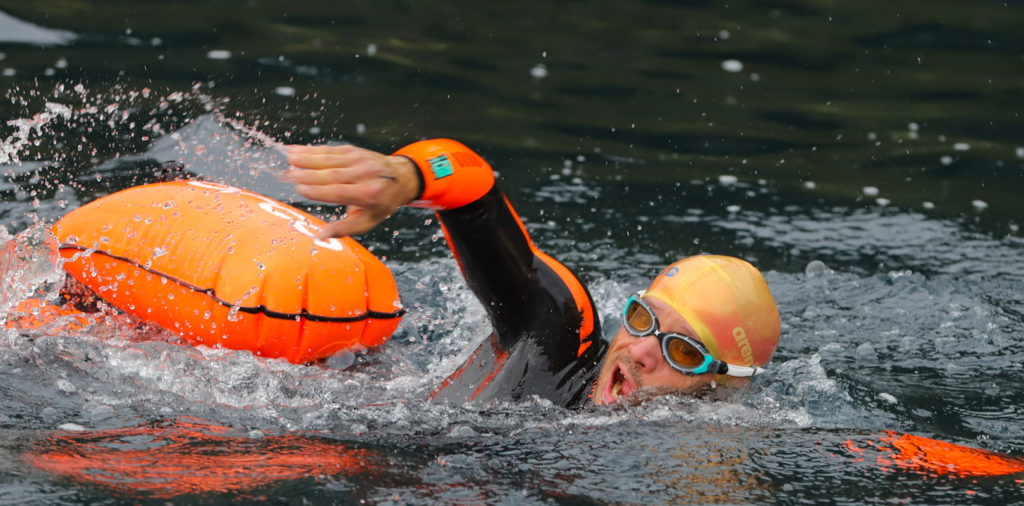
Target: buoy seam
{"x":261,"y":309}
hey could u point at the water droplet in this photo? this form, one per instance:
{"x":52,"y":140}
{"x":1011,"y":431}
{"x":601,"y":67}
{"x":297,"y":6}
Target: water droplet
{"x":218,"y":54}
{"x":870,"y":191}
{"x":539,"y":71}
{"x":732,"y":65}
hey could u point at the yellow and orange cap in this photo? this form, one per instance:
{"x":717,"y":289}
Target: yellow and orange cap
{"x":727,"y":302}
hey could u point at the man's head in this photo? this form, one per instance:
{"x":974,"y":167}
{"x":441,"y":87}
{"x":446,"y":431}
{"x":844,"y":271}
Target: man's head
{"x":722,"y":303}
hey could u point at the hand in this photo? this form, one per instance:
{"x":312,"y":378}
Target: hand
{"x":372,"y":185}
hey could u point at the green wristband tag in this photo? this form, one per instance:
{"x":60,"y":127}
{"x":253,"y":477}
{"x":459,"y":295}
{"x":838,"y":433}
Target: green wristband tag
{"x":441,"y":167}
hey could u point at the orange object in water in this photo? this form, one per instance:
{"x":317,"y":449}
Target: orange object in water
{"x":934,"y":457}
{"x":171,"y":458}
{"x":226,"y":267}
{"x":35,"y":314}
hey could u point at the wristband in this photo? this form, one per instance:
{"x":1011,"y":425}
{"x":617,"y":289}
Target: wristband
{"x":452,"y":175}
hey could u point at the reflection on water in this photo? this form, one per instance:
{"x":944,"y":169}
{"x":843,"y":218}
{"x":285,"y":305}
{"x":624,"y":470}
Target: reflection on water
{"x":167,"y":459}
{"x":867,"y":156}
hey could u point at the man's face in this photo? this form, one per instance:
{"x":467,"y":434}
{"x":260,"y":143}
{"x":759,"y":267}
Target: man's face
{"x":635,"y":363}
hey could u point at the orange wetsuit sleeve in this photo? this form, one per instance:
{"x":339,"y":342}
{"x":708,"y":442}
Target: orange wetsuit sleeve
{"x":451,"y":175}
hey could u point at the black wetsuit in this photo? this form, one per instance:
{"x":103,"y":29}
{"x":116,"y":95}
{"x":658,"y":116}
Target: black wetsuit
{"x":544,"y":343}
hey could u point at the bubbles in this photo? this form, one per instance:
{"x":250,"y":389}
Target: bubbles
{"x":539,"y":71}
{"x":867,"y":353}
{"x":816,"y":268}
{"x":870,"y":191}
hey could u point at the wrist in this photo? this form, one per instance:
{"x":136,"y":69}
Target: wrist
{"x":407,"y":177}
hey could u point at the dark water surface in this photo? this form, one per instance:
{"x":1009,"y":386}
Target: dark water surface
{"x":868,"y":156}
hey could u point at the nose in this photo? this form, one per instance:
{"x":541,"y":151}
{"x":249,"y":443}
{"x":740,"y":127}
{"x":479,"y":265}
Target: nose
{"x":646,"y":353}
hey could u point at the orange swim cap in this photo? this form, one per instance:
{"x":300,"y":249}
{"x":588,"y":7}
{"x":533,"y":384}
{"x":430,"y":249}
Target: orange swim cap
{"x":727,"y":301}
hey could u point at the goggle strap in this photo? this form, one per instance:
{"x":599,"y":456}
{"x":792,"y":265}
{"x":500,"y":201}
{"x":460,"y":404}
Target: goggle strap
{"x":739,"y":371}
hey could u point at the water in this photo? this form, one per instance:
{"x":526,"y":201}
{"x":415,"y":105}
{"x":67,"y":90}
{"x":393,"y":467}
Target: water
{"x":868,"y":157}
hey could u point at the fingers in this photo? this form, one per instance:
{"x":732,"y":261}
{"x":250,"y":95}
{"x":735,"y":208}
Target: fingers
{"x":318,"y":149}
{"x":320,"y":161}
{"x":320,"y":177}
{"x":346,"y":194}
{"x":373,"y":185}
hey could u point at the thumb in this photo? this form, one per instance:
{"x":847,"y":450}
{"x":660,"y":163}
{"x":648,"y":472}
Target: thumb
{"x":356,"y":222}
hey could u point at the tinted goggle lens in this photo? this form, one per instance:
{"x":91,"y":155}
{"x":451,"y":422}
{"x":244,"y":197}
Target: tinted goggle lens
{"x":639,"y":320}
{"x":683,"y":353}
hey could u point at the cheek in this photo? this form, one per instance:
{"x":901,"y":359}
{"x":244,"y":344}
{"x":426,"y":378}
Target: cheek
{"x":619,"y":342}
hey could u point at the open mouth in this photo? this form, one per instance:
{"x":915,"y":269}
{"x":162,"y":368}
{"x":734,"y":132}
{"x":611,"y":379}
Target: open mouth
{"x":619,"y":385}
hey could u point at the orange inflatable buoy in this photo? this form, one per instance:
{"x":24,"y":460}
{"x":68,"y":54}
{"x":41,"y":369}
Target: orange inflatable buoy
{"x":222,"y":266}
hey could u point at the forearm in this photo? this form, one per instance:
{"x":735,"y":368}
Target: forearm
{"x":519,"y":285}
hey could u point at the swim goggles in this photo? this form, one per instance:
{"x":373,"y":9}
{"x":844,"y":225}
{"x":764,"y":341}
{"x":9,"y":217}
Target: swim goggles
{"x":684,"y":353}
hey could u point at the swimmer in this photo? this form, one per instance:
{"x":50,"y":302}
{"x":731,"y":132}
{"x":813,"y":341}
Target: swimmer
{"x":704,"y":322}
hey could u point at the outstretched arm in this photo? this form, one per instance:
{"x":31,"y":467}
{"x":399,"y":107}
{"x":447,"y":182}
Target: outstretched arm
{"x":519,"y":286}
